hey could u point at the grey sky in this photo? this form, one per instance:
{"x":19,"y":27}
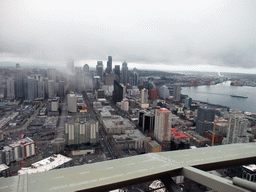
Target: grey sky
{"x":173,"y":33}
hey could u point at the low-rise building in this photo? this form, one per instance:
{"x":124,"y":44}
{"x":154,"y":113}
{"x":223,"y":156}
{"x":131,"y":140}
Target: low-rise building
{"x":153,"y":147}
{"x":117,"y":125}
{"x":4,"y":170}
{"x":132,"y":139}
{"x":50,"y":163}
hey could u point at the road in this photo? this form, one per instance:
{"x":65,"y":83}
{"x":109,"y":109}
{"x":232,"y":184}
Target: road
{"x":24,"y":127}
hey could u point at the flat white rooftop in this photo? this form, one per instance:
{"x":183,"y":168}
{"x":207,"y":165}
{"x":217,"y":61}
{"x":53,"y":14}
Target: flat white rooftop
{"x":3,"y":167}
{"x":45,"y":164}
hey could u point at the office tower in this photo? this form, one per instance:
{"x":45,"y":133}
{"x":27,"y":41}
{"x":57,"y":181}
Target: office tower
{"x":51,"y":89}
{"x":124,"y":73}
{"x":31,"y":88}
{"x":134,"y":77}
{"x":117,"y":72}
{"x":237,"y":129}
{"x":164,"y":92}
{"x":19,"y":84}
{"x":71,"y":100}
{"x":96,"y":83}
{"x":163,"y":123}
{"x":146,"y":121}
{"x":61,"y":89}
{"x":99,"y":69}
{"x":17,"y":65}
{"x":144,"y":96}
{"x":109,"y":65}
{"x":188,"y":102}
{"x":176,"y":92}
{"x":86,"y":68}
{"x":10,"y":89}
{"x":118,"y":92}
{"x":204,"y":114}
{"x":152,"y":93}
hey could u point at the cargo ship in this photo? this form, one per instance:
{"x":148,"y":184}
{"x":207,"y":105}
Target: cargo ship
{"x":240,"y":96}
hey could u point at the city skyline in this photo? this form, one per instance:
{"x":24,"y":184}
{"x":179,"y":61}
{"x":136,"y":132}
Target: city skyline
{"x":214,"y":36}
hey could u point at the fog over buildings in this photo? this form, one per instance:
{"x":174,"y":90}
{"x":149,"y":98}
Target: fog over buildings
{"x":172,"y":35}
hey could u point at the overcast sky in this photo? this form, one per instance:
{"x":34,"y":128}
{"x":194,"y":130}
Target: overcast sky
{"x":167,"y":35}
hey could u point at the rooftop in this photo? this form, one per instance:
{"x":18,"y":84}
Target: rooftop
{"x":3,"y":167}
{"x":45,"y":164}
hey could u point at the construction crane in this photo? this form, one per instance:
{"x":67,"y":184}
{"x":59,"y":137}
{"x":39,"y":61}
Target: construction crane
{"x":213,"y":132}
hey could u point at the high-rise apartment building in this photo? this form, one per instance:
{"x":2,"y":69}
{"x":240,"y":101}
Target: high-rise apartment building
{"x":205,"y":115}
{"x":124,"y":73}
{"x":237,"y":129}
{"x":81,"y":131}
{"x":163,"y":123}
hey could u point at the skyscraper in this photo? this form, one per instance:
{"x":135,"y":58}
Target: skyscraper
{"x":51,"y":89}
{"x":96,"y":83}
{"x":61,"y":89}
{"x":86,"y":68}
{"x":31,"y":88}
{"x":204,"y":114}
{"x":118,"y":92}
{"x":176,"y":92}
{"x":164,"y":92}
{"x":237,"y":129}
{"x":19,"y":84}
{"x":117,"y":72}
{"x":99,"y":69}
{"x":163,"y":123}
{"x":70,"y":65}
{"x":109,"y":65}
{"x":71,"y":100}
{"x":144,"y":96}
{"x":124,"y":73}
{"x":10,"y":88}
{"x":134,"y":77}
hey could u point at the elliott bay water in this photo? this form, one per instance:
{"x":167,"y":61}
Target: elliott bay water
{"x":220,"y":94}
